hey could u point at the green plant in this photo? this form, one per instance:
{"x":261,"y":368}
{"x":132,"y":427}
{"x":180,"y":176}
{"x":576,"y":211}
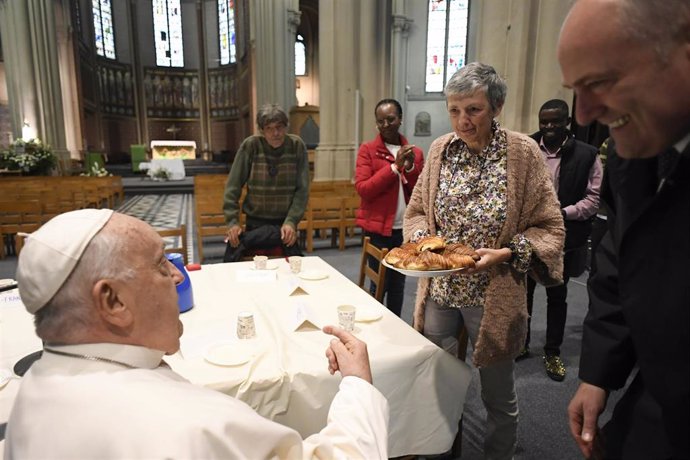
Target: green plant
{"x":30,"y":156}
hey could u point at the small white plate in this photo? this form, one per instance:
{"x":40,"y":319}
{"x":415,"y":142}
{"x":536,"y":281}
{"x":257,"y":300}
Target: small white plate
{"x":313,"y":275}
{"x":228,"y":354}
{"x":5,"y":376}
{"x":423,"y":273}
{"x":269,"y":266}
{"x":367,"y":314}
{"x":6,"y":282}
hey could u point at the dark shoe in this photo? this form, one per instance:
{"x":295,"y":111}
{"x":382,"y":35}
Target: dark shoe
{"x":555,"y":368}
{"x":524,"y":353}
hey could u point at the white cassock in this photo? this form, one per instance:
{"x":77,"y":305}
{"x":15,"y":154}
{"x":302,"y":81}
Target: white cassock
{"x":75,"y":408}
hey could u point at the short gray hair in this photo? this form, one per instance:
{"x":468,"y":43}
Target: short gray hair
{"x":271,"y":113}
{"x":477,"y":76}
{"x":71,"y":308}
{"x":660,"y":24}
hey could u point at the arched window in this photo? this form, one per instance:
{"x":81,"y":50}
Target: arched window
{"x":103,"y":28}
{"x":226,"y":31}
{"x":167,"y":29}
{"x":300,"y":57}
{"x":446,"y":41}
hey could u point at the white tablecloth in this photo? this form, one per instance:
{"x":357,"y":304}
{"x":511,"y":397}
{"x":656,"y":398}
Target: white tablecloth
{"x":287,"y":379}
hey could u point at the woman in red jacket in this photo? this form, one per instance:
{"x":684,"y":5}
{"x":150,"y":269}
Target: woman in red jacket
{"x":386,"y":172}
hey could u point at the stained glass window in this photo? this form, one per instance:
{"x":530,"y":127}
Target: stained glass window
{"x":300,"y":56}
{"x":167,"y":29}
{"x":103,"y":28}
{"x":226,"y":31}
{"x":446,"y":41}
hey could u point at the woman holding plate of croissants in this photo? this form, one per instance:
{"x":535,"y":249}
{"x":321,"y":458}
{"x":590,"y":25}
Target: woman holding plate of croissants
{"x":487,"y":188}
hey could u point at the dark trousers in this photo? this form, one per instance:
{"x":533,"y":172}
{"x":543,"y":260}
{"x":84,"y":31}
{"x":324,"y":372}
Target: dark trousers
{"x":556,"y":313}
{"x":260,"y":234}
{"x":394,"y":286}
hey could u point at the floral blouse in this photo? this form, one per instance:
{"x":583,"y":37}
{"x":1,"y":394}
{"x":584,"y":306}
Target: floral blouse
{"x":470,"y":208}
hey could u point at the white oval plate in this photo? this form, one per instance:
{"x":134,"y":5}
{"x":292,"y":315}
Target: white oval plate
{"x":367,"y":314}
{"x":228,"y":354}
{"x":313,"y":275}
{"x":423,"y":273}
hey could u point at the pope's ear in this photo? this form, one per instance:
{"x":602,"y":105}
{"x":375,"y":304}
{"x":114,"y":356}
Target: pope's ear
{"x":111,"y":307}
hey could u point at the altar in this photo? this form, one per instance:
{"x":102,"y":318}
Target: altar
{"x":166,"y":150}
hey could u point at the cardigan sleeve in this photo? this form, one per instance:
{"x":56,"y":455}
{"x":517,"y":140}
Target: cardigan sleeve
{"x":541,"y":218}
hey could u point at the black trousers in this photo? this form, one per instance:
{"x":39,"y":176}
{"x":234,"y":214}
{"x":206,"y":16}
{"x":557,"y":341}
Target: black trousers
{"x":556,"y":313}
{"x":394,"y":286}
{"x":259,"y":234}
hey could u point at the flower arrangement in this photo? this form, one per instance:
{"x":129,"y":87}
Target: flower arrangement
{"x":159,"y":174}
{"x":30,"y":156}
{"x":96,"y":171}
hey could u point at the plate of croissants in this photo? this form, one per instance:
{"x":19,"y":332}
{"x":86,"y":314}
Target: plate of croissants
{"x":429,"y":257}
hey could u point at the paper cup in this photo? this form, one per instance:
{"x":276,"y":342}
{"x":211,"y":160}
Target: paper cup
{"x":260,"y":262}
{"x":245,"y":325}
{"x":346,"y":317}
{"x":295,"y":264}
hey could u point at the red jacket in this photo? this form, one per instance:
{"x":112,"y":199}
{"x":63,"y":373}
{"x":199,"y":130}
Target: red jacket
{"x":378,"y":187}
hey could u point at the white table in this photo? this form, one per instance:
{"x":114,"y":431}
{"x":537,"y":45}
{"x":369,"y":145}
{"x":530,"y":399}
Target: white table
{"x":288,"y":380}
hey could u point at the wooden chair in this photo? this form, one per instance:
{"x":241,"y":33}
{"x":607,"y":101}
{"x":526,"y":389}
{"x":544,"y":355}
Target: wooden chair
{"x":18,"y":216}
{"x":376,"y":276}
{"x":179,"y":232}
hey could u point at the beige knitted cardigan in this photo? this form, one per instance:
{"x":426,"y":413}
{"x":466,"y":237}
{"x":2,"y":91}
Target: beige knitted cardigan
{"x":534,"y":211}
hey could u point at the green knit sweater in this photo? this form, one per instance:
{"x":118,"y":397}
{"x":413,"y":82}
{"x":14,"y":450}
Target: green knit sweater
{"x":277,"y":181}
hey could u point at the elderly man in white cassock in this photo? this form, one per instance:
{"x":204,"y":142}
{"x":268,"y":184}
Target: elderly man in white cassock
{"x":105,"y":305}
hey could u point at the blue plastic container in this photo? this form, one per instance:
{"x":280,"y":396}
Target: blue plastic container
{"x":185,"y":295}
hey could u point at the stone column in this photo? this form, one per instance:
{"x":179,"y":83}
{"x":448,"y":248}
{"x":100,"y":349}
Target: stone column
{"x":353,"y":76}
{"x":32,"y":70}
{"x":401,"y":28}
{"x":274,"y":24}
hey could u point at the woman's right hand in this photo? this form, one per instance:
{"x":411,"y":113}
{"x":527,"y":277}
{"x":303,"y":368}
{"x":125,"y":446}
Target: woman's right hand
{"x":488,"y":258}
{"x":405,"y":158}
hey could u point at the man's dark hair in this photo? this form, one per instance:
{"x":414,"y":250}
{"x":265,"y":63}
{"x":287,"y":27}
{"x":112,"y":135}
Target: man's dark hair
{"x":558,"y":104}
{"x":389,"y":101}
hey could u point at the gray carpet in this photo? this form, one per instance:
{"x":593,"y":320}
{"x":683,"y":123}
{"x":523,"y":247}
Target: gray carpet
{"x":543,"y":429}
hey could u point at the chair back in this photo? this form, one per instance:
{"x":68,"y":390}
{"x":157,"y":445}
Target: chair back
{"x":377,"y":276}
{"x":172,"y":236}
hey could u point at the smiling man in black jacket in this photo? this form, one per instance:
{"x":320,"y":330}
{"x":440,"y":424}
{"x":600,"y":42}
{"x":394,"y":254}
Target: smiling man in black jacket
{"x":576,"y":173}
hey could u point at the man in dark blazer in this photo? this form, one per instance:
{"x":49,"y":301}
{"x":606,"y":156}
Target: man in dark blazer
{"x":628,"y":62}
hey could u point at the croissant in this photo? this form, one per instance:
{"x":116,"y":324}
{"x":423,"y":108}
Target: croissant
{"x":460,"y":260}
{"x":431,"y":243}
{"x":426,"y":260}
{"x":460,"y":249}
{"x":397,"y":255}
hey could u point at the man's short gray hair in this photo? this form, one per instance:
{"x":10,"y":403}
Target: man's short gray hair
{"x":658,"y":23}
{"x":477,"y":76}
{"x":71,"y":309}
{"x":271,"y":113}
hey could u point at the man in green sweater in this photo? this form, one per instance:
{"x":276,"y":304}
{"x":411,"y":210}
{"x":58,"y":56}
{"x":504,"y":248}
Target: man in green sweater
{"x":275,"y":169}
